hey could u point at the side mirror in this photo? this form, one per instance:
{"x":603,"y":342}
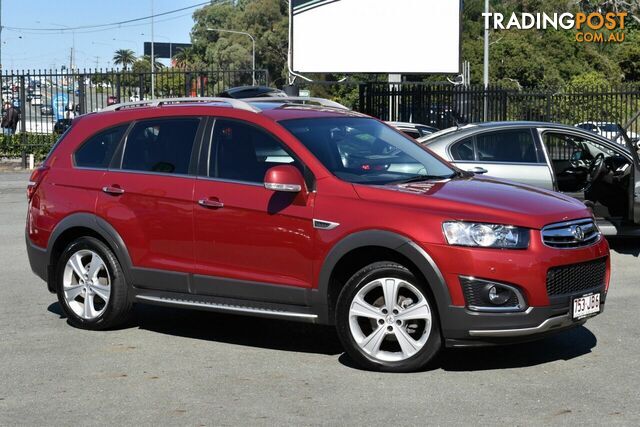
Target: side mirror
{"x":285,"y":178}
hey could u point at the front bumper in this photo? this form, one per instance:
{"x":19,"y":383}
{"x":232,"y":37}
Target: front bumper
{"x":464,"y":328}
{"x":525,"y":269}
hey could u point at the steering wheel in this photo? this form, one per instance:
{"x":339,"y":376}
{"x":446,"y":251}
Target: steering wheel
{"x":597,"y":169}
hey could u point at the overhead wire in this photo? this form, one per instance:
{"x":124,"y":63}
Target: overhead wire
{"x":111,"y":25}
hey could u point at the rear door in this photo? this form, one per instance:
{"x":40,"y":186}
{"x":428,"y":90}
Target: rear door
{"x":512,"y":154}
{"x":148,"y":198}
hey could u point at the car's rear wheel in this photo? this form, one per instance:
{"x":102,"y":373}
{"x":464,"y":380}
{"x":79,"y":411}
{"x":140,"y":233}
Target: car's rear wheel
{"x":91,"y":286}
{"x":386,"y":319}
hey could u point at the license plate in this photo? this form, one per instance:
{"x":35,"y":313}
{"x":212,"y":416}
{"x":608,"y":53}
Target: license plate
{"x":585,"y":306}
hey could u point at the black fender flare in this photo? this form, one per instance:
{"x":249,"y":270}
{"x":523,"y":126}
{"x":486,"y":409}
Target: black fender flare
{"x":393,"y":241}
{"x":99,"y":226}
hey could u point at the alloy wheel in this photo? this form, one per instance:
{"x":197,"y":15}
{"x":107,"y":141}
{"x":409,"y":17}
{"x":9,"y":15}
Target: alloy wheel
{"x":390,"y":319}
{"x":86,"y":284}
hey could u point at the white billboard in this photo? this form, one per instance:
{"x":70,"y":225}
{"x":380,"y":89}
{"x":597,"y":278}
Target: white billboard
{"x":375,"y":36}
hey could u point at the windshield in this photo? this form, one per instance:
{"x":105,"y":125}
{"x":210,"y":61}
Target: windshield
{"x":363,"y":150}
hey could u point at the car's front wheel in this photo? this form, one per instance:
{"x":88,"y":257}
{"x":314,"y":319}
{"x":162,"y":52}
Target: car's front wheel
{"x":91,"y":286}
{"x":386,"y":319}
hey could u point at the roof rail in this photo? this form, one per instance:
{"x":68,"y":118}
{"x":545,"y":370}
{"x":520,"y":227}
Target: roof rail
{"x":300,"y":100}
{"x":234,"y":103}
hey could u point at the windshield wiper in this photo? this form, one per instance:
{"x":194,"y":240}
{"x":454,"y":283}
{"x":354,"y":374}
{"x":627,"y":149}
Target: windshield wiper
{"x":419,"y":178}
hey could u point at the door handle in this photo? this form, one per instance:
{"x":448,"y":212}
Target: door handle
{"x":478,"y":170}
{"x":116,"y":191}
{"x":208,"y":203}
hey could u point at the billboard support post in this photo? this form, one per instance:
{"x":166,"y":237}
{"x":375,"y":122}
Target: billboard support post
{"x":486,"y":65}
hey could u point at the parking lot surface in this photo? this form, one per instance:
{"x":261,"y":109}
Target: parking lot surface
{"x":170,"y":366}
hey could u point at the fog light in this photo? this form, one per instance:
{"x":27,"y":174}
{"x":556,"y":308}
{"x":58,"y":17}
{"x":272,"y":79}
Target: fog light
{"x":499,"y":296}
{"x":490,"y":296}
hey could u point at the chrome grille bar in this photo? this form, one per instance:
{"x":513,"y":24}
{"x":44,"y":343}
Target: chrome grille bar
{"x":571,"y":234}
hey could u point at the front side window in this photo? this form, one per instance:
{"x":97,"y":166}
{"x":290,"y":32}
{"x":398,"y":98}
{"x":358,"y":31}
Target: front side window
{"x":98,"y":150}
{"x":242,"y":152}
{"x":566,"y":147}
{"x":513,"y":146}
{"x":363,"y":150}
{"x":162,"y":145}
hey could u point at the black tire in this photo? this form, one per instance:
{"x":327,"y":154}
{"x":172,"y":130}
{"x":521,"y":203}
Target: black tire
{"x":118,"y":309}
{"x":360,"y":279}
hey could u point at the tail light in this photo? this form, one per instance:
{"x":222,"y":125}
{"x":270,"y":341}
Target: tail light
{"x":35,"y":180}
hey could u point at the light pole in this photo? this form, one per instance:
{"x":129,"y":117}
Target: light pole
{"x":153,"y":59}
{"x":253,"y":41}
{"x":0,"y":38}
{"x":486,"y":63}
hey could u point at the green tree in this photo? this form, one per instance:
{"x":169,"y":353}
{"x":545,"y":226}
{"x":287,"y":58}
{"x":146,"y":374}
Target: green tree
{"x":124,"y":57}
{"x":143,"y":65}
{"x":265,"y":20}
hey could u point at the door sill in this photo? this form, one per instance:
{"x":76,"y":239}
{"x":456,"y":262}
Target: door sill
{"x":226,"y":305}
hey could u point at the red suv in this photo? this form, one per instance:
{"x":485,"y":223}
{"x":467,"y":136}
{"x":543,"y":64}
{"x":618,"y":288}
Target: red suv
{"x":282,"y":209}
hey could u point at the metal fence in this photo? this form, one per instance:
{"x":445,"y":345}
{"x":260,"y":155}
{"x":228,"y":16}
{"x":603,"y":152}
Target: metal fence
{"x":48,"y":98}
{"x":444,"y":105}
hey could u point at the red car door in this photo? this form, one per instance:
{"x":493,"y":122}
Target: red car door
{"x":149,"y":200}
{"x":247,"y":237}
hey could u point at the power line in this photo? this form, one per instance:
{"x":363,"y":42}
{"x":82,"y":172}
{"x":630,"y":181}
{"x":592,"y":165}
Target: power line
{"x":113,"y":24}
{"x":89,"y":31}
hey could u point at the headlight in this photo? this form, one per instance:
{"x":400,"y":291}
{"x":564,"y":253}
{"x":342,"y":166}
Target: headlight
{"x":485,"y":235}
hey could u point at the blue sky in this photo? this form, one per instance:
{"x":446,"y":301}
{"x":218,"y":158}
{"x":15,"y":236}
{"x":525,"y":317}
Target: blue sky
{"x":52,"y":49}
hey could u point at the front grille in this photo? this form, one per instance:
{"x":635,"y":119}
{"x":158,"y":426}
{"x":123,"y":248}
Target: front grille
{"x":571,"y":234}
{"x":573,"y":278}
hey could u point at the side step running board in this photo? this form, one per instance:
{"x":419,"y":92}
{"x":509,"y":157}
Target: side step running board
{"x":226,"y":305}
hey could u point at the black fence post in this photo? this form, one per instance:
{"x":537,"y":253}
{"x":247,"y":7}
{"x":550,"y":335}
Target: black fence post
{"x":23,"y":124}
{"x":82,"y":90}
{"x":187,"y":84}
{"x":548,"y":107}
{"x":141,"y":86}
{"x":118,"y":88}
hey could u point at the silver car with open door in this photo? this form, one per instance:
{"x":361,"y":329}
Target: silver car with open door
{"x":589,"y":167}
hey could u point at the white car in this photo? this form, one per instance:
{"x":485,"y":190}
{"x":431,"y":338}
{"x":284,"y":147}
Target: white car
{"x":608,"y":129}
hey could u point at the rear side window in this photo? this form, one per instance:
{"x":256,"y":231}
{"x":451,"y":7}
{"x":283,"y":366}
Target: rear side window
{"x":242,"y":152}
{"x":463,"y":150}
{"x":513,"y":146}
{"x":98,"y":150}
{"x":162,"y":145}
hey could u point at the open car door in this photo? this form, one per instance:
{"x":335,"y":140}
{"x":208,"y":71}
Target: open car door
{"x":635,"y":196}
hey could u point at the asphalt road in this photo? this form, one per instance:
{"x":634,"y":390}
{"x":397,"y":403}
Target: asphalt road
{"x":196,"y":368}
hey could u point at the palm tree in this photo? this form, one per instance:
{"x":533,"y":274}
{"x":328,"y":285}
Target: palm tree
{"x":124,"y":57}
{"x":156,"y":64}
{"x":182,"y":59}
